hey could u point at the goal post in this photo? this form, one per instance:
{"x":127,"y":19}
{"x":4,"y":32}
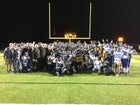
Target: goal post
{"x":89,"y":27}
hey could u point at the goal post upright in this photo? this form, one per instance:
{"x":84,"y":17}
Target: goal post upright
{"x":49,"y":20}
{"x":90,"y":16}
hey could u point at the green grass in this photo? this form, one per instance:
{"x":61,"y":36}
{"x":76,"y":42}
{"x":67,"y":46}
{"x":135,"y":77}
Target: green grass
{"x":35,"y":88}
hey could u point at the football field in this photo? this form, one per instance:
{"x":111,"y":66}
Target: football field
{"x":85,"y":88}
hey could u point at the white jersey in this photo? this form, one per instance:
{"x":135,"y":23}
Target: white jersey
{"x":117,"y":55}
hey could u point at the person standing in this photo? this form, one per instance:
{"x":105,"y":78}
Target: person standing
{"x":16,"y":59}
{"x":8,"y":57}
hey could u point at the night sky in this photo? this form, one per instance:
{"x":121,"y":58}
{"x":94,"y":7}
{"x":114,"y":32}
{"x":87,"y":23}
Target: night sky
{"x":27,"y":20}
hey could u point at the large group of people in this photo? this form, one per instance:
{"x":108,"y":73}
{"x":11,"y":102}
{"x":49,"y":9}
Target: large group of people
{"x":63,"y":58}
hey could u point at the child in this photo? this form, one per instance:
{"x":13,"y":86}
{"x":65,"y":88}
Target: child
{"x":97,"y":65}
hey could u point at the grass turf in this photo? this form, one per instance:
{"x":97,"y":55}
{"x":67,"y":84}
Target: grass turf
{"x":41,"y":87}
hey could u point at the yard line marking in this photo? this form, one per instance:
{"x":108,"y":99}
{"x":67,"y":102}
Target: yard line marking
{"x":75,"y":83}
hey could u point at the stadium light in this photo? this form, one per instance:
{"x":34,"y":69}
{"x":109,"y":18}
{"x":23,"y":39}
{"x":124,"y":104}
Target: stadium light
{"x":70,"y":36}
{"x":120,"y":39}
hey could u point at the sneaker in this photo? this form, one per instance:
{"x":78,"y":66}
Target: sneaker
{"x":10,"y":70}
{"x":13,"y":73}
{"x":57,"y":73}
{"x":117,"y":75}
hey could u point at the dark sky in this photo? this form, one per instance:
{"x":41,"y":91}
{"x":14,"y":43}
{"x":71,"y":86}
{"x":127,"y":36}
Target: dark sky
{"x":27,"y":20}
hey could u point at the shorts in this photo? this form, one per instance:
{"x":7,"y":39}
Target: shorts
{"x":8,"y":61}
